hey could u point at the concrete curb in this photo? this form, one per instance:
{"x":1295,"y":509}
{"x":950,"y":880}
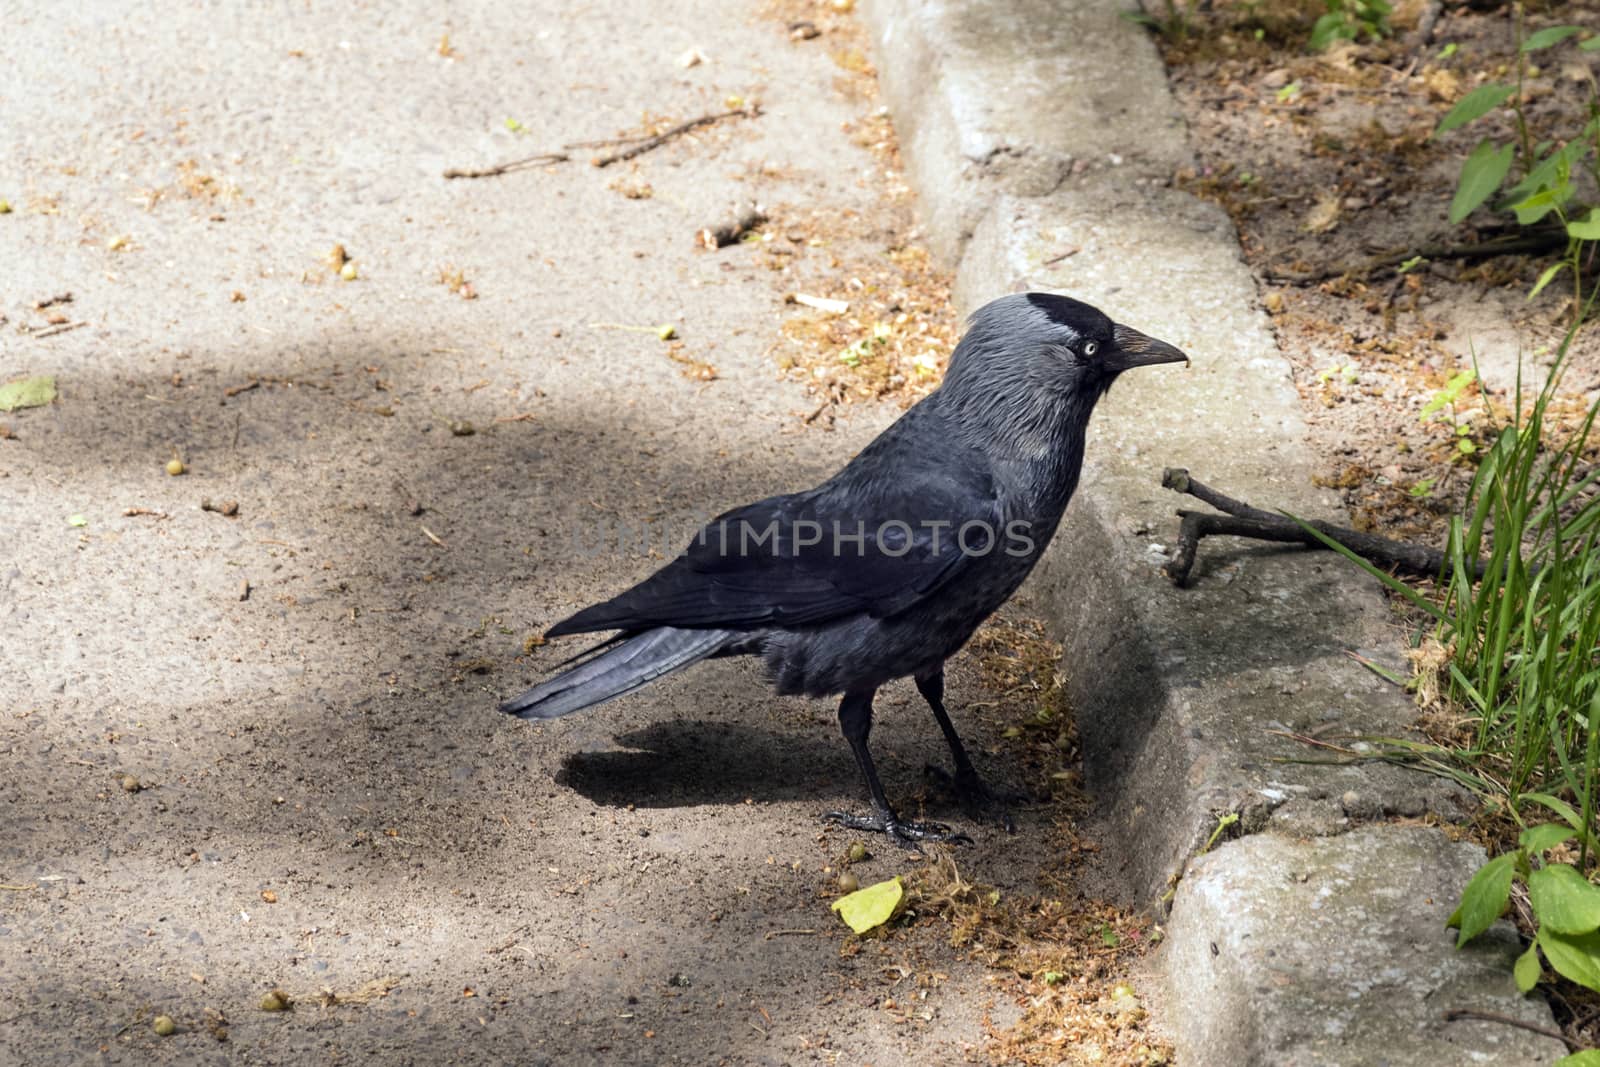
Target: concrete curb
{"x":1030,"y":131}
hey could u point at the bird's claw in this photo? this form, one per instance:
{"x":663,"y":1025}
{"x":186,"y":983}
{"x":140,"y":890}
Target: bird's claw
{"x":905,"y":834}
{"x":977,"y":797}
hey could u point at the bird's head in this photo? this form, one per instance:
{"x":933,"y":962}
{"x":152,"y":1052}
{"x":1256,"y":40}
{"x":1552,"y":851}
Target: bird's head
{"x":1033,"y":364}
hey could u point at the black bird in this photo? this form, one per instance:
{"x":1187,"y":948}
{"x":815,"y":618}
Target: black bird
{"x":887,"y":568}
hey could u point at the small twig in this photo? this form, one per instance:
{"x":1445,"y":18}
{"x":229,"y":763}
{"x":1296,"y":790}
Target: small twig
{"x":1068,"y":254}
{"x":18,"y":888}
{"x":1427,"y":24}
{"x":1538,"y":242}
{"x":235,"y":390}
{"x":636,"y":145}
{"x":53,"y":330}
{"x":540,"y":160}
{"x":783,"y":933}
{"x":726,"y":233}
{"x":1307,"y":739}
{"x":431,"y":536}
{"x":1242,"y":520}
{"x":1509,"y":1020}
{"x":52,"y":301}
{"x":656,"y":141}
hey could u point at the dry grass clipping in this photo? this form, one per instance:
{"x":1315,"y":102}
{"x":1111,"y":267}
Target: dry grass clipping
{"x":1067,"y":956}
{"x":895,"y":340}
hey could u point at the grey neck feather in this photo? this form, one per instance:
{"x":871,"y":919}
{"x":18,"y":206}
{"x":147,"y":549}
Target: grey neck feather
{"x":1023,"y":404}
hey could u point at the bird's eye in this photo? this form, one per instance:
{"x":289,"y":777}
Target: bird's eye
{"x":1090,"y":348}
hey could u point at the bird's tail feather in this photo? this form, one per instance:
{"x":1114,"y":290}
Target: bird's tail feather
{"x":634,"y":662}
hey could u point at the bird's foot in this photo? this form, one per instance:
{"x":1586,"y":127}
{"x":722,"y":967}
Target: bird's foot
{"x":976,"y":796}
{"x":902,"y":832}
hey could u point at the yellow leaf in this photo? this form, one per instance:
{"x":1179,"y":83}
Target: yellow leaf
{"x":1324,"y":216}
{"x":870,"y":906}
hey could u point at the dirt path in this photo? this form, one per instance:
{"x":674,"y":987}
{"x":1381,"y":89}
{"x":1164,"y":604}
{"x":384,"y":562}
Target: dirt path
{"x":258,"y":750}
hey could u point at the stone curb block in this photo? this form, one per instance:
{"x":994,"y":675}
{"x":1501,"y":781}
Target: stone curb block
{"x":1344,"y":939}
{"x":1037,"y":170}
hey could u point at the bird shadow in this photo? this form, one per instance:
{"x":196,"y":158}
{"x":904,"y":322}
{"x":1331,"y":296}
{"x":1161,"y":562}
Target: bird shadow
{"x":683,"y":763}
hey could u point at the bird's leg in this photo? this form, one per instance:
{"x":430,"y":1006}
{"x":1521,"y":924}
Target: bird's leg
{"x":967,"y":785}
{"x":855,"y":720}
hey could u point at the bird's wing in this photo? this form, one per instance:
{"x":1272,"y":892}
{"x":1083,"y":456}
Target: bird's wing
{"x":782,"y":561}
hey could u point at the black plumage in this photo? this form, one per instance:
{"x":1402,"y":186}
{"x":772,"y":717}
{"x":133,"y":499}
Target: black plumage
{"x":886,"y":569}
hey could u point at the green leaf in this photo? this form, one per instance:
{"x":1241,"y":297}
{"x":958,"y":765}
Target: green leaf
{"x":1577,"y":958}
{"x":77,"y":520}
{"x":1591,"y":45}
{"x":1449,"y":50}
{"x":1546,"y":278}
{"x":1551,"y":35}
{"x":1475,"y":105}
{"x":1334,"y":26}
{"x":1053,"y":977}
{"x":1108,"y":936}
{"x":1559,"y":806}
{"x":1564,"y":900}
{"x":1588,"y":1057}
{"x":1586,"y":229}
{"x":1481,"y":175}
{"x":1547,"y":835}
{"x":1527,"y":969}
{"x":27,"y":393}
{"x":869,"y":906}
{"x":1451,"y":392}
{"x":1484,"y":898}
{"x":1554,"y":172}
{"x":1537,"y":206}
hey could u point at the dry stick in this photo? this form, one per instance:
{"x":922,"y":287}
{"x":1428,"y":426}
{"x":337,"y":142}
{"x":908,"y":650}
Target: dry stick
{"x":1427,"y":24}
{"x":53,"y":330}
{"x":637,"y":146}
{"x":1496,"y":1017}
{"x":677,"y":131}
{"x":1242,"y":520}
{"x":1540,"y":242}
{"x":732,"y":230}
{"x":539,"y":160}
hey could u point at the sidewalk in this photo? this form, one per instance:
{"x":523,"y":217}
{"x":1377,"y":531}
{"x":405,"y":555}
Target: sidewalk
{"x":302,"y":696}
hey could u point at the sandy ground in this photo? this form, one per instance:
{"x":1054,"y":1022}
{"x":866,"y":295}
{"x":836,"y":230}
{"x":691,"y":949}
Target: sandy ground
{"x":208,"y":796}
{"x":1328,"y":161}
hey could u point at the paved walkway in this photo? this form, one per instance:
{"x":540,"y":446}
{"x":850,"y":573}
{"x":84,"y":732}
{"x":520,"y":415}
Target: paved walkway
{"x":618,"y":887}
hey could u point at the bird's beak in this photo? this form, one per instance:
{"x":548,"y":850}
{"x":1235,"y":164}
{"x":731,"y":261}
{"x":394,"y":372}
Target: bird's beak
{"x":1134,"y":349}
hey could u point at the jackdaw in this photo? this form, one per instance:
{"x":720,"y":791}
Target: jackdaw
{"x":887,"y":568}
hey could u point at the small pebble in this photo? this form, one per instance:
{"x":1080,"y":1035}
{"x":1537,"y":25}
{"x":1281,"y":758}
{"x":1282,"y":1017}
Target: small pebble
{"x":857,"y":852}
{"x":348,"y":271}
{"x":163,"y":1026}
{"x":131,"y":784}
{"x":175,"y":467}
{"x":277,"y":1000}
{"x":848,"y":883}
{"x":463,"y":428}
